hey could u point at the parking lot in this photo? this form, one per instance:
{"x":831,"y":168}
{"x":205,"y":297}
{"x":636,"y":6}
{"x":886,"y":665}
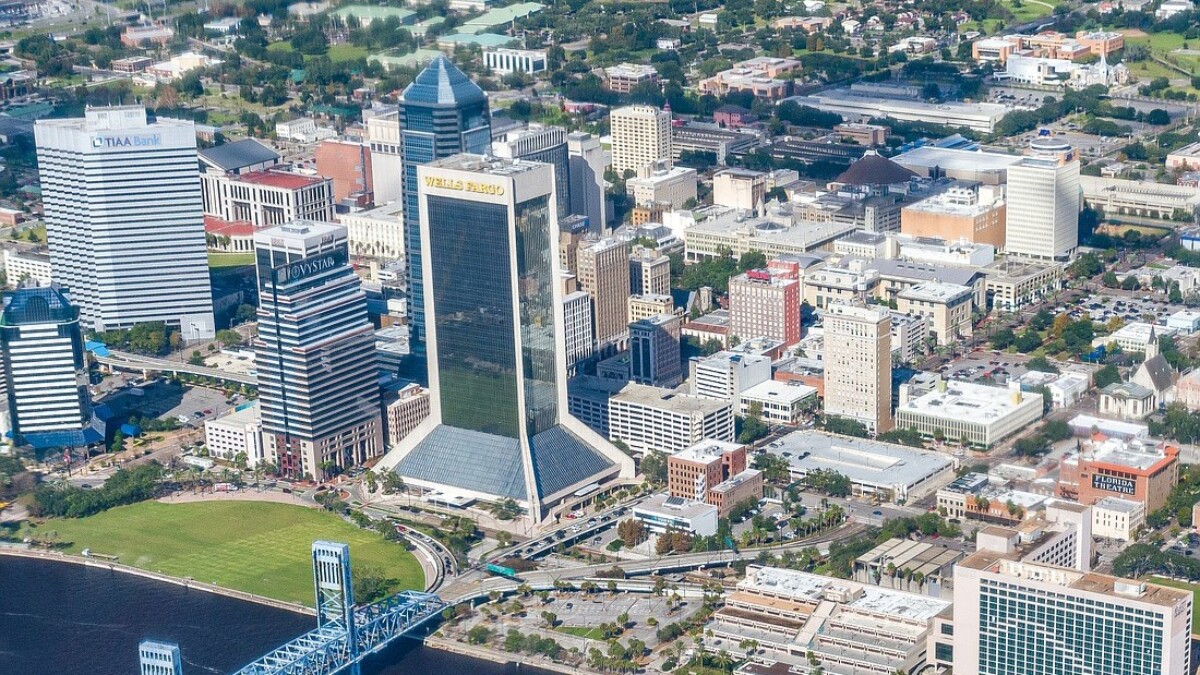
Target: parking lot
{"x":165,"y":401}
{"x":985,"y":367}
{"x":1129,"y":307}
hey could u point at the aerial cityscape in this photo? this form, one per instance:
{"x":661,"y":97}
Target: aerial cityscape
{"x":722,"y":337}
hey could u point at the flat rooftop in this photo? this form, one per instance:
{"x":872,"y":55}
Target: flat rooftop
{"x":707,"y":450}
{"x":782,"y":392}
{"x":673,"y":400}
{"x":777,"y":226}
{"x":863,"y":461}
{"x":1006,"y":565}
{"x":279,"y":179}
{"x":811,"y":588}
{"x":1131,"y":454}
{"x":968,"y":401}
{"x":493,"y":166}
{"x":935,"y":291}
{"x":675,"y":506}
{"x":1117,"y":504}
{"x":735,"y":480}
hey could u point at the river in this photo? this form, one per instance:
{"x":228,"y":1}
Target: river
{"x":63,"y":619}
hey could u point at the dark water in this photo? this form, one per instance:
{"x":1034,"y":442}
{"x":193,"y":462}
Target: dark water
{"x":64,"y":619}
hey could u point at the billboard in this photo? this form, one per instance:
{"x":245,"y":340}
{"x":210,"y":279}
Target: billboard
{"x":299,"y":270}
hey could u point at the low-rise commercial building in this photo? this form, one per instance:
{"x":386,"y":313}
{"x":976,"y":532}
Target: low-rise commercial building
{"x":625,"y":77}
{"x":1116,"y":518}
{"x":267,"y":198}
{"x":799,"y":619}
{"x":863,"y":107}
{"x":947,"y":308}
{"x":662,"y":513}
{"x":504,"y":60}
{"x":776,"y":234}
{"x":1012,"y":283}
{"x":975,"y":413}
{"x":1135,"y":336}
{"x":1120,"y":197}
{"x":661,"y":183}
{"x":646,"y":306}
{"x":974,"y":497}
{"x":778,"y":402}
{"x":890,"y":472}
{"x":907,"y":565}
{"x":1135,"y":470}
{"x":236,"y":435}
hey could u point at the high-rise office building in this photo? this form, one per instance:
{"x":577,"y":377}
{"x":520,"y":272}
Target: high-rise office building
{"x":1042,"y":220}
{"x":315,"y":352}
{"x":442,"y":113}
{"x":641,"y":135}
{"x":44,"y":371}
{"x":498,"y":425}
{"x":649,"y":272}
{"x":858,"y":365}
{"x":1026,"y":604}
{"x":577,"y":328}
{"x":124,"y":219}
{"x":654,"y":356}
{"x":539,"y":143}
{"x":587,"y":163}
{"x":603,"y":273}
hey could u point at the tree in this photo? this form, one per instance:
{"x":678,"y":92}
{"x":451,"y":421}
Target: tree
{"x":1028,"y":341}
{"x":479,"y":634}
{"x":1106,"y":376}
{"x":1003,"y":338}
{"x":752,"y":260}
{"x":118,"y":442}
{"x":753,"y":428}
{"x":229,"y":338}
{"x":654,"y":467}
{"x":1110,"y":279}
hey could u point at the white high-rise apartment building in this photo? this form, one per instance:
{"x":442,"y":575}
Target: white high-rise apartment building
{"x":124,"y":219}
{"x":1043,"y":202}
{"x":641,"y":135}
{"x":858,"y":365}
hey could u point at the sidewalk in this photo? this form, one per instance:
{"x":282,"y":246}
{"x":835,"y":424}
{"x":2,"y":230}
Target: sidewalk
{"x":250,"y":495}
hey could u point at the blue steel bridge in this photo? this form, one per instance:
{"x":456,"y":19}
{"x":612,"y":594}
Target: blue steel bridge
{"x":344,"y":635}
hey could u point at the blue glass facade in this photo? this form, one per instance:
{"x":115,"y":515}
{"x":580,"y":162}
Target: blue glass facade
{"x":442,"y":113}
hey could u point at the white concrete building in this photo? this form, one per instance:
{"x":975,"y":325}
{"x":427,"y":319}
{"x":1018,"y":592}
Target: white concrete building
{"x":27,"y":266}
{"x":725,"y":375}
{"x":662,"y":512}
{"x":739,"y":189}
{"x":124,"y":219}
{"x":649,"y":418}
{"x":376,"y":233}
{"x":577,"y":328}
{"x":1135,"y":336}
{"x":1116,"y":518}
{"x":239,"y":432}
{"x":980,"y":414}
{"x":503,"y":60}
{"x":779,"y":402}
{"x":946,"y":307}
{"x":383,"y":137}
{"x":660,"y":183}
{"x":1044,"y":202}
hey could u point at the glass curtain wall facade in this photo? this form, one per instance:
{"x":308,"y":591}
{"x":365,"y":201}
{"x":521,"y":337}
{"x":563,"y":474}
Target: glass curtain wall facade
{"x":442,"y":113}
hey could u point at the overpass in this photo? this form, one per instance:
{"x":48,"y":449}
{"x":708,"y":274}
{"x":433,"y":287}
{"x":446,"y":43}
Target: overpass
{"x":144,"y":364}
{"x":474,"y":585}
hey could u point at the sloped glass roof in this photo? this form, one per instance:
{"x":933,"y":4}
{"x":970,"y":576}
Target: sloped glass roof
{"x":470,"y":460}
{"x":442,"y":83}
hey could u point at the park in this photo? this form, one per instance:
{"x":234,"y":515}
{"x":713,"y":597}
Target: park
{"x":257,"y":547}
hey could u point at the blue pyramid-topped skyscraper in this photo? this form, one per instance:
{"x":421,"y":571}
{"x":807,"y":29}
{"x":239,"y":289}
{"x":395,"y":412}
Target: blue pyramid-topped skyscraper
{"x":442,"y":113}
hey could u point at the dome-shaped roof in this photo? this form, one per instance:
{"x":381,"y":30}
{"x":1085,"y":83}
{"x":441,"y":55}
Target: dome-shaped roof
{"x":875,"y":169}
{"x":442,"y":83}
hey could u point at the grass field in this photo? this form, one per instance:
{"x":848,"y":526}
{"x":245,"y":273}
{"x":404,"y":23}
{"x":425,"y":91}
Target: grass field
{"x":257,"y":547}
{"x":230,"y":259}
{"x":586,"y":632}
{"x":336,"y":53}
{"x":1194,"y":588}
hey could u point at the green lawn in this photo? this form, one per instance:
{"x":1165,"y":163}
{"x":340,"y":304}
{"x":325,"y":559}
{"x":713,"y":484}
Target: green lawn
{"x":586,"y":632}
{"x":346,"y":52}
{"x":230,"y":259}
{"x":1194,"y":588}
{"x":257,"y":547}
